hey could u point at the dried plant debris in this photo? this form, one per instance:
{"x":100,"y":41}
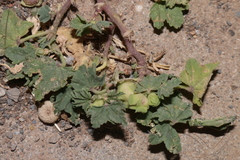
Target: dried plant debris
{"x":46,"y":113}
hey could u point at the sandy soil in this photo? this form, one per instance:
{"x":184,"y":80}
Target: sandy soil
{"x":210,"y":34}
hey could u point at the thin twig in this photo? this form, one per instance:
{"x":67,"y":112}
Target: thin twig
{"x":106,"y":48}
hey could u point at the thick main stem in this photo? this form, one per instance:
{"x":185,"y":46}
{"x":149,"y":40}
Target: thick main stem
{"x":59,"y":17}
{"x":142,"y":64}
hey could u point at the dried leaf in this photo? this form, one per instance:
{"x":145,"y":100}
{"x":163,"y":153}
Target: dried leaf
{"x":73,"y":44}
{"x":17,"y":68}
{"x":36,"y":24}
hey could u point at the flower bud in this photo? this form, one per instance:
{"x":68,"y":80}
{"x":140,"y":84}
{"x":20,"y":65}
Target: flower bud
{"x":153,"y":99}
{"x":138,"y":102}
{"x":98,"y":103}
{"x":127,"y":87}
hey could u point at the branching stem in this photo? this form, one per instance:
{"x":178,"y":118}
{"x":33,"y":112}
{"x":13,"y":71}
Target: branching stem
{"x":142,"y":64}
{"x":38,"y":34}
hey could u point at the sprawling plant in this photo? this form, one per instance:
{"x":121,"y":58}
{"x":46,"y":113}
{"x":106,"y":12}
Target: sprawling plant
{"x":77,"y":82}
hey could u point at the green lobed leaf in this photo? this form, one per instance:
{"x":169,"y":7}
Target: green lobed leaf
{"x":145,"y":119}
{"x":44,"y":14}
{"x":18,"y":55}
{"x":45,"y":42}
{"x":175,"y":17}
{"x":63,"y":102}
{"x":113,"y":113}
{"x":81,"y":98}
{"x":78,"y":22}
{"x":218,"y":123}
{"x":167,"y":88}
{"x":155,"y":139}
{"x":11,"y":29}
{"x":164,"y":84}
{"x":100,"y":25}
{"x":169,"y":11}
{"x":52,"y":77}
{"x":82,"y":26}
{"x":173,"y":110}
{"x":172,"y":3}
{"x":197,"y":78}
{"x":151,"y":83}
{"x":158,"y":15}
{"x":85,"y":77}
{"x":167,"y":134}
{"x":11,"y":76}
{"x":30,"y":81}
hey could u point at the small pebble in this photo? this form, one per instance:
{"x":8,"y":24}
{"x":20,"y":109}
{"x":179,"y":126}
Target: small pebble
{"x":90,"y":131}
{"x":21,"y":119}
{"x":6,"y":115}
{"x":41,"y":129}
{"x":108,"y":138}
{"x":2,"y":92}
{"x":71,"y":144}
{"x":16,"y":133}
{"x":238,"y":14}
{"x":13,"y":147}
{"x":138,"y":8}
{"x":219,"y":71}
{"x":53,"y":139}
{"x":10,"y":102}
{"x":9,"y":135}
{"x":229,"y":23}
{"x":22,"y":138}
{"x":2,"y":109}
{"x":34,"y":121}
{"x":21,"y":131}
{"x":62,"y":124}
{"x":72,"y":138}
{"x":13,"y":94}
{"x":2,"y":121}
{"x":37,"y":138}
{"x":67,"y":126}
{"x":33,"y":107}
{"x":231,"y":106}
{"x":231,"y":32}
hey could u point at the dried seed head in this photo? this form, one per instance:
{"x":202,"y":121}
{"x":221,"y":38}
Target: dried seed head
{"x":31,"y":3}
{"x":46,"y":113}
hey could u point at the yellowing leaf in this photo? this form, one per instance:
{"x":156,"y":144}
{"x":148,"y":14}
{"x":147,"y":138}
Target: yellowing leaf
{"x":72,"y":45}
{"x":197,"y":77}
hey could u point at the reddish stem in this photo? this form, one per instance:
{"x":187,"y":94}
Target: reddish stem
{"x":58,"y":18}
{"x":142,"y":64}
